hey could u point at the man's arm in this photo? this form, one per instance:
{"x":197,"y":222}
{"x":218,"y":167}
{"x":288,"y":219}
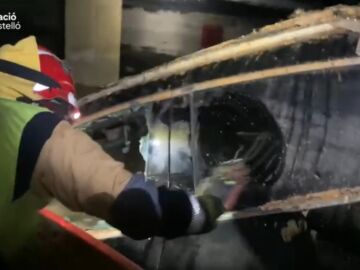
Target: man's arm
{"x":74,"y":169}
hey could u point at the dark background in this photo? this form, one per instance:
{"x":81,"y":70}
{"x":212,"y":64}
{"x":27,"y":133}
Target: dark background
{"x":44,"y":19}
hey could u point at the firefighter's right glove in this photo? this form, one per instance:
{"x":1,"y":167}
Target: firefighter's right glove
{"x":143,"y":210}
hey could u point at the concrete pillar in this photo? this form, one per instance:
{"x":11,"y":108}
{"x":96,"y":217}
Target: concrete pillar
{"x":92,"y":40}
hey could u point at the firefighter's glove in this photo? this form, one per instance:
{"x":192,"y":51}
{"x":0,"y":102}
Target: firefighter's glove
{"x":143,"y":210}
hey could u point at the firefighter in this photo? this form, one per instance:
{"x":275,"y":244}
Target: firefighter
{"x":43,"y":157}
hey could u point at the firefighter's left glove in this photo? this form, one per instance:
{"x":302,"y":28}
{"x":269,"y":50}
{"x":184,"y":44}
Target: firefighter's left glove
{"x":143,"y":210}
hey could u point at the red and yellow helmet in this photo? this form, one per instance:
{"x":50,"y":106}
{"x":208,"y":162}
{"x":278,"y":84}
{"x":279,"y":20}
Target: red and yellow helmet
{"x":64,"y":93}
{"x":33,"y":74}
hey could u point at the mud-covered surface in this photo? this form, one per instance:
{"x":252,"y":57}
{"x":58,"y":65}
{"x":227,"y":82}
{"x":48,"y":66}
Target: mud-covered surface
{"x":318,"y":118}
{"x":323,"y":49}
{"x":319,"y":122}
{"x":297,"y":133}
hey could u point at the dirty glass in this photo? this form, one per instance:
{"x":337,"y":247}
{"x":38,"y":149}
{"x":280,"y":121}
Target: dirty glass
{"x":166,"y":148}
{"x":298,"y":134}
{"x":205,"y":132}
{"x":288,"y":131}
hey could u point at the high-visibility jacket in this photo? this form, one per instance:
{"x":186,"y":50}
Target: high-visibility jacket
{"x":18,"y":216}
{"x":42,"y":157}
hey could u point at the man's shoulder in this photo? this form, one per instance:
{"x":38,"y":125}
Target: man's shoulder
{"x":14,"y":105}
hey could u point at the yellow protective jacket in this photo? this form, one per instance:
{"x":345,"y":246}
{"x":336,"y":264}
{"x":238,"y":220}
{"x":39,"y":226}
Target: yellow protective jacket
{"x":42,"y":157}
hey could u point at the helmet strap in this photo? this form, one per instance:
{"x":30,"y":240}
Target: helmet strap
{"x":26,"y":73}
